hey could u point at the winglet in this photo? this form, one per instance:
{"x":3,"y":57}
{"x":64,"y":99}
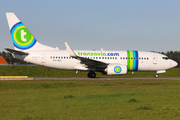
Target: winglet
{"x":70,"y":51}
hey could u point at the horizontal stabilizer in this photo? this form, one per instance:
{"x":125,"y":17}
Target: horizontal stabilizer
{"x":16,"y":51}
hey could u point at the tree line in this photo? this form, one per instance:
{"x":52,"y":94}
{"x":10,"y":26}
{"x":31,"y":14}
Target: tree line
{"x":10,"y":59}
{"x":174,"y":55}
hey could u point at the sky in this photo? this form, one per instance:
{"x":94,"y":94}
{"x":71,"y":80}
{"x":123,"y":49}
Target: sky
{"x":145,"y":25}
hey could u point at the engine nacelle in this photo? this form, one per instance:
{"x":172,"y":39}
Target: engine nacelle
{"x":116,"y":69}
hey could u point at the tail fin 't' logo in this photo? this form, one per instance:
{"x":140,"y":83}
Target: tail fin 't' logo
{"x":22,"y":35}
{"x":22,"y":38}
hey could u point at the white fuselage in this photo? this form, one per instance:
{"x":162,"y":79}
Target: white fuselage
{"x":60,"y":59}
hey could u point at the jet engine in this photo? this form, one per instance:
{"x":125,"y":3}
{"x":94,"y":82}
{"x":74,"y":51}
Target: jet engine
{"x":116,"y":69}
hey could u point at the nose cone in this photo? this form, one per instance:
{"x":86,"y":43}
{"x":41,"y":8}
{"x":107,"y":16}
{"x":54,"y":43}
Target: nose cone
{"x":174,"y":63}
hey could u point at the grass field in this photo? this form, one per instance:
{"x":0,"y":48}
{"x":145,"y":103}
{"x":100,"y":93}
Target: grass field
{"x":39,"y":71}
{"x":90,"y":100}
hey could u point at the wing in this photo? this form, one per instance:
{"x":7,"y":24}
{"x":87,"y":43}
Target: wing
{"x":90,"y":63}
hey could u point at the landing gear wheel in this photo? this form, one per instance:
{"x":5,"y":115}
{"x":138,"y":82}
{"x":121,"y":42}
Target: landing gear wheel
{"x":156,"y":75}
{"x":91,"y":74}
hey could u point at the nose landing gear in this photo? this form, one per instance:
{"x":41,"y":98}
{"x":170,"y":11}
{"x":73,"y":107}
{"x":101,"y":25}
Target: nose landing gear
{"x":91,"y":74}
{"x":156,"y":75}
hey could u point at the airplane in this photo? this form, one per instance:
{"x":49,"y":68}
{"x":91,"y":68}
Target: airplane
{"x":27,"y":48}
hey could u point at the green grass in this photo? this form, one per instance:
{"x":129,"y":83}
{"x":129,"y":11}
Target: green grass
{"x":90,"y":100}
{"x":132,"y":100}
{"x":39,"y":71}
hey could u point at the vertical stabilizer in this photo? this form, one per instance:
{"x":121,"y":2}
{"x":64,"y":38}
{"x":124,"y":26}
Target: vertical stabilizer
{"x":21,"y":37}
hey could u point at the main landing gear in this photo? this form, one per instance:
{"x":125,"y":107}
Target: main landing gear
{"x":91,"y":74}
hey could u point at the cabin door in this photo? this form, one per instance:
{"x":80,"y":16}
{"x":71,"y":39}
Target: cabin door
{"x":43,"y":58}
{"x":154,"y":59}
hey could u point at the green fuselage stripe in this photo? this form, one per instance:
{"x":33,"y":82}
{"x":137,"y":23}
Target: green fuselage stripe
{"x":132,"y":60}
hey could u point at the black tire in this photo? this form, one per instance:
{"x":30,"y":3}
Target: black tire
{"x":91,"y":74}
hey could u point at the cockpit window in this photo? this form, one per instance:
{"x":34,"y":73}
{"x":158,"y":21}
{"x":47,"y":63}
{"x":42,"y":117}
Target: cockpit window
{"x":166,"y":58}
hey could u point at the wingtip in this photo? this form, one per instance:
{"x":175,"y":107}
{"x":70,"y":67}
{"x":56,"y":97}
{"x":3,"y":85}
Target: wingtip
{"x":69,"y":49}
{"x":65,"y":43}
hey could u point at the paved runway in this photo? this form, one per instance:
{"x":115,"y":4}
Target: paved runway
{"x":47,"y":78}
{"x":106,"y":78}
